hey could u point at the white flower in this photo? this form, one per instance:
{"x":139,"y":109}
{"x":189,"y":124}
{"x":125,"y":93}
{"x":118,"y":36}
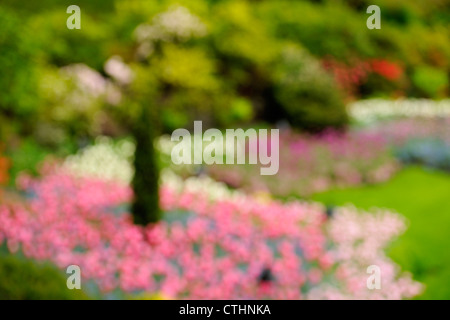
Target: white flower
{"x":104,"y":160}
{"x":368,"y":111}
{"x":180,"y":22}
{"x":113,"y":161}
{"x":117,"y":69}
{"x":87,"y":79}
{"x":176,"y":23}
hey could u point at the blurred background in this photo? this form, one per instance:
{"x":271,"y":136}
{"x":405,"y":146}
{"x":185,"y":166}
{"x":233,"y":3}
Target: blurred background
{"x":85,"y":171}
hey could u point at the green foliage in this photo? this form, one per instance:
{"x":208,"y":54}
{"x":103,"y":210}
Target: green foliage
{"x":241,"y":110}
{"x":307,"y":93}
{"x":183,"y":106}
{"x":230,"y":54}
{"x":62,"y":46}
{"x":242,"y":35}
{"x":413,"y":32}
{"x":22,"y":279}
{"x":431,"y":81}
{"x":18,"y":79}
{"x":324,"y":28}
{"x":26,"y":157}
{"x":73,"y":111}
{"x":186,"y":68}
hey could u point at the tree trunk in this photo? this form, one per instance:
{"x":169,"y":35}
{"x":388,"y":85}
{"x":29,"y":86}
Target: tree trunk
{"x":145,"y":182}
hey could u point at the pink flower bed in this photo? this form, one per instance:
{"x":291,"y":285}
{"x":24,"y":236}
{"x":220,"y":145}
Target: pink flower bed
{"x":216,"y":250}
{"x":310,"y":164}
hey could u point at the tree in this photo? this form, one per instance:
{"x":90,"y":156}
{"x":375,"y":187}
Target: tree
{"x":145,"y":182}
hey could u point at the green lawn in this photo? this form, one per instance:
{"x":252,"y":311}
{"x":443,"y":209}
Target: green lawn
{"x":423,"y":197}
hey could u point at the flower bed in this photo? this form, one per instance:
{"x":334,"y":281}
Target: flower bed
{"x":424,"y":141}
{"x":310,"y":164}
{"x":233,"y":248}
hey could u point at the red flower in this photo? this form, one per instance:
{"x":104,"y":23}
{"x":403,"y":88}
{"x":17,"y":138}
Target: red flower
{"x":347,"y":76}
{"x":386,"y":69}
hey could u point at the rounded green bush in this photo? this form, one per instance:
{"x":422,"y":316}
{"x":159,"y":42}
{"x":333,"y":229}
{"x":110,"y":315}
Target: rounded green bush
{"x":308,"y":95}
{"x":22,"y":279}
{"x":430,"y":80}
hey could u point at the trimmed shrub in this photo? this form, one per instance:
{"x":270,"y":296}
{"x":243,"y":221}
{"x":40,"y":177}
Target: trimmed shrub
{"x":22,"y":279}
{"x":431,"y":81}
{"x":307,"y":94}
